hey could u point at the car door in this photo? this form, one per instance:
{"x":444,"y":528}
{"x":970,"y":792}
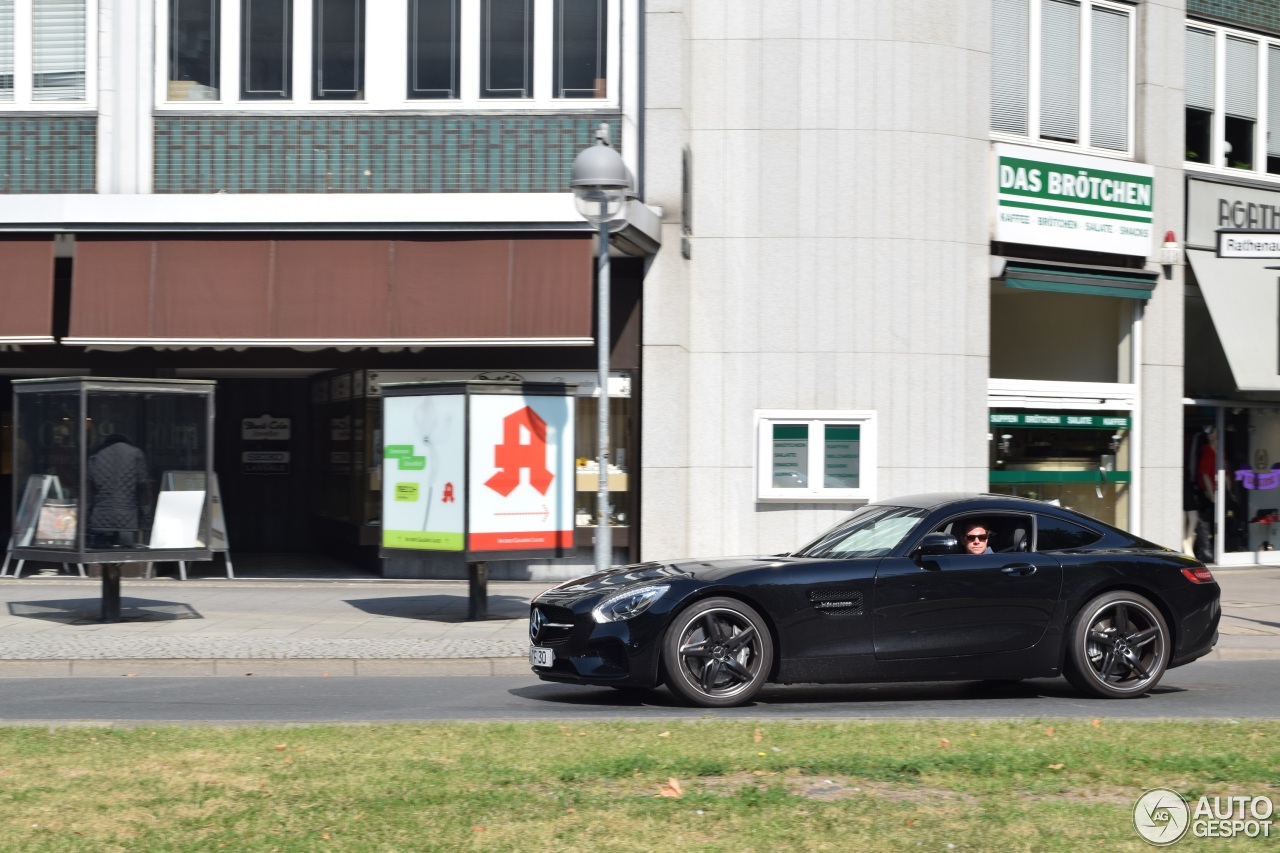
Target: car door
{"x":963,"y":604}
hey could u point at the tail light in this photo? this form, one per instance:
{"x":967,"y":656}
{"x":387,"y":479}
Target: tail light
{"x":1198,"y":575}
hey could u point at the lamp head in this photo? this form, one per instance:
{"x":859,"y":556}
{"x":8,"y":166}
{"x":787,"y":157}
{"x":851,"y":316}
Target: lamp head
{"x":600,"y":182}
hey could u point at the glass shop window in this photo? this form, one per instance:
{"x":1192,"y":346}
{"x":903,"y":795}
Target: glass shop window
{"x":506,"y":49}
{"x":433,"y":49}
{"x":338,"y":52}
{"x":581,"y":48}
{"x":266,"y":50}
{"x":193,"y":49}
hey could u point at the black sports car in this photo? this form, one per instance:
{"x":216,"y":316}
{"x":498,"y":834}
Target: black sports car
{"x":892,"y":593}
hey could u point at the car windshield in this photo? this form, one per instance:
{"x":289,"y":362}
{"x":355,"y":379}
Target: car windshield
{"x":872,"y":531}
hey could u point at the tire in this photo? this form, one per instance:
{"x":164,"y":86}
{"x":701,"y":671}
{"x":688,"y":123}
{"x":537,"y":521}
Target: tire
{"x":717,"y":653}
{"x":1120,"y":646}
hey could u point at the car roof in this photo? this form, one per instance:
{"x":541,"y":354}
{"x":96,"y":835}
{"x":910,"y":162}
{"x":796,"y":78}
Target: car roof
{"x":934,"y":500}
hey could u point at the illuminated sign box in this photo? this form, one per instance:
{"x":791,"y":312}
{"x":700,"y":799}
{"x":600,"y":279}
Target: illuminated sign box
{"x":480,"y":469}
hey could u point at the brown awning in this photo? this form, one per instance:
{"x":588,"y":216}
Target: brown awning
{"x":26,"y":290}
{"x":332,"y":291}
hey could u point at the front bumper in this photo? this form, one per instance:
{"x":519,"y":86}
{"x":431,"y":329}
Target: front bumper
{"x":586,"y":652}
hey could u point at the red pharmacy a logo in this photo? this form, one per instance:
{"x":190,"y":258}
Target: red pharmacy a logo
{"x":512,"y":456}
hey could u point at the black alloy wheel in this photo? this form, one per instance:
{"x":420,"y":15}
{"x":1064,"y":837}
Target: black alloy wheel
{"x":717,"y":653}
{"x":1119,"y":646}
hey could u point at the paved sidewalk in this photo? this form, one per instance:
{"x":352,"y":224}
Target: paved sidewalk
{"x":49,"y":626}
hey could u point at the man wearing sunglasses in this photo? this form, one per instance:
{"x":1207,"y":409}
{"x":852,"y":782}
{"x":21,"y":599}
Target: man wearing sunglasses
{"x":974,"y":536}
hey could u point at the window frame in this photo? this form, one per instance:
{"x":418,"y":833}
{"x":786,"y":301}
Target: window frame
{"x":1218,"y":119}
{"x":24,"y":65}
{"x":1032,"y":136}
{"x":815,"y":421}
{"x":387,"y":70}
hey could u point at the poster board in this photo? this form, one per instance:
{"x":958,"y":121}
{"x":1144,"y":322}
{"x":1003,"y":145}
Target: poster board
{"x":177,"y":521}
{"x":56,"y":526}
{"x":193,"y":481}
{"x":28,"y":515}
{"x":424,"y":473}
{"x":521,"y":475}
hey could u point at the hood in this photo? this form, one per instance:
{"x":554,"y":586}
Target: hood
{"x":709,"y":571}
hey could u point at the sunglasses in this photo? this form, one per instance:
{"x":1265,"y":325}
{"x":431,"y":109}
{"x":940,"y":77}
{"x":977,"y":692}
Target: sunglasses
{"x":976,"y":537}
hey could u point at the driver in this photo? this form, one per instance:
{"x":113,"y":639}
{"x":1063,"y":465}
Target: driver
{"x":974,"y":537}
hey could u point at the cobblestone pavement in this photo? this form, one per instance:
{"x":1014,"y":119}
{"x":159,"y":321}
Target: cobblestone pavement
{"x":49,"y":626}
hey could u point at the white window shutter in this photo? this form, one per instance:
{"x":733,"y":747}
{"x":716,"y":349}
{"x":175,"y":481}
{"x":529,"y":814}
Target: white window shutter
{"x":1242,"y":78}
{"x":1010,"y":39}
{"x":1060,"y":70}
{"x":1109,"y":86}
{"x":1200,"y":70}
{"x":58,"y":50}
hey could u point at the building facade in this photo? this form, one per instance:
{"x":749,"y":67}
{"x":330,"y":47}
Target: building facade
{"x":877,"y":248}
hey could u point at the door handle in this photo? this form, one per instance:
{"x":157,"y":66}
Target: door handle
{"x":1020,"y":570}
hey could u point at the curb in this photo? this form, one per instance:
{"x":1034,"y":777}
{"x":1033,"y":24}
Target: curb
{"x":344,"y":667}
{"x":273,"y":668}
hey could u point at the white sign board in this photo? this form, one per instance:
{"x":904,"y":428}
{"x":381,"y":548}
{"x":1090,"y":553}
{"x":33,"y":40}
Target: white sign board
{"x":521,"y":473}
{"x":423,"y":472}
{"x":1254,"y":244}
{"x":177,"y":522}
{"x":1072,"y":201}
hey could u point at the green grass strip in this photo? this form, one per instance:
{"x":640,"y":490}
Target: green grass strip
{"x":743,"y":786}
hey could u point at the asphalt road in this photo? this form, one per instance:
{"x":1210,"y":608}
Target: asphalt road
{"x":1206,"y":690}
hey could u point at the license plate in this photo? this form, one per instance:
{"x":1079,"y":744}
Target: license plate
{"x":540,"y":657}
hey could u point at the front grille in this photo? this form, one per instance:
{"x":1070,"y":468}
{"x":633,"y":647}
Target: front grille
{"x":546,"y":625}
{"x":837,"y":602}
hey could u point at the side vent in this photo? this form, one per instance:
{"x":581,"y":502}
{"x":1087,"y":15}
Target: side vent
{"x":837,"y":602}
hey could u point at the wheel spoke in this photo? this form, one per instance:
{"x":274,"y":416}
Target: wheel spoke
{"x":709,"y":674}
{"x":696,"y":650}
{"x":1136,"y":663}
{"x":736,"y":667}
{"x":712,"y":627}
{"x":1108,"y":663}
{"x":1104,"y":640}
{"x":1141,"y":638}
{"x":1120,"y":619}
{"x":738,"y":640}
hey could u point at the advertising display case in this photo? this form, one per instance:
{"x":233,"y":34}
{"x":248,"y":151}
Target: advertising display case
{"x":95,"y":464}
{"x":480,"y":469}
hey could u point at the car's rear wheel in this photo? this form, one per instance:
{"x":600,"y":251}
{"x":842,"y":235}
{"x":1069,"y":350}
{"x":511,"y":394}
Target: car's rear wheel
{"x":1119,"y":646}
{"x":717,"y":653}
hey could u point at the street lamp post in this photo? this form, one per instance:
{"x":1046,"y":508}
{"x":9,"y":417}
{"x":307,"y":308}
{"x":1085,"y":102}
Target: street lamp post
{"x":600,"y":185}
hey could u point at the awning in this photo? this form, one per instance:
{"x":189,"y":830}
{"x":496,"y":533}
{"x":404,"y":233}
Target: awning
{"x":1090,"y":280}
{"x":425,"y":290}
{"x":26,"y":290}
{"x":1242,"y":297}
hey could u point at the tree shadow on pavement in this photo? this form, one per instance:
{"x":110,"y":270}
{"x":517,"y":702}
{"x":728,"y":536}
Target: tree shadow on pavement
{"x":85,"y":611}
{"x":441,"y":608}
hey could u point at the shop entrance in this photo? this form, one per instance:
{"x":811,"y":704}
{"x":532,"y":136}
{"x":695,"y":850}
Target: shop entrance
{"x":1231,"y":482}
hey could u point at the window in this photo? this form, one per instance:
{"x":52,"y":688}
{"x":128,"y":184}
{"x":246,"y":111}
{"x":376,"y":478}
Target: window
{"x":46,"y":57}
{"x":339,"y":50}
{"x":1061,"y":71}
{"x":1232,"y":100}
{"x":872,"y":531}
{"x":815,"y":456}
{"x":419,"y":54}
{"x":1054,"y":534}
{"x":433,"y":49}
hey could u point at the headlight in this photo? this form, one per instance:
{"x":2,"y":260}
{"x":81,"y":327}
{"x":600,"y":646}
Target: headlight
{"x":628,"y":604}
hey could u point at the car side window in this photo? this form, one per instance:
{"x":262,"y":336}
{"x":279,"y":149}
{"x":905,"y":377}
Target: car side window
{"x":1055,"y":534}
{"x":1006,"y":533}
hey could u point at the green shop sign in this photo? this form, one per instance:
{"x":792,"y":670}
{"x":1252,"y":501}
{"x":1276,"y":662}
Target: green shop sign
{"x":1072,"y":201}
{"x":1060,"y":420}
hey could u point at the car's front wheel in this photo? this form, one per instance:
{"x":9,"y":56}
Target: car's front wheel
{"x":717,"y":653}
{"x":1119,"y":646}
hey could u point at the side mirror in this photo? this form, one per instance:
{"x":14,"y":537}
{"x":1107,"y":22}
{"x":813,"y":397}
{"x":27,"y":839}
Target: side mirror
{"x":935,"y":544}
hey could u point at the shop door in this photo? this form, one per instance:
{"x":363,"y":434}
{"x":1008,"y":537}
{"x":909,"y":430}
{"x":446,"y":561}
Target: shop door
{"x":1074,"y":459}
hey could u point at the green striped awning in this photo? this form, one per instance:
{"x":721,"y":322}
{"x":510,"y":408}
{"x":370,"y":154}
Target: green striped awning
{"x":1091,"y":281}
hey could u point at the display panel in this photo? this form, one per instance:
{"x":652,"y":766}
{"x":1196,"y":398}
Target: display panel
{"x":424,"y":485}
{"x":521,"y":459}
